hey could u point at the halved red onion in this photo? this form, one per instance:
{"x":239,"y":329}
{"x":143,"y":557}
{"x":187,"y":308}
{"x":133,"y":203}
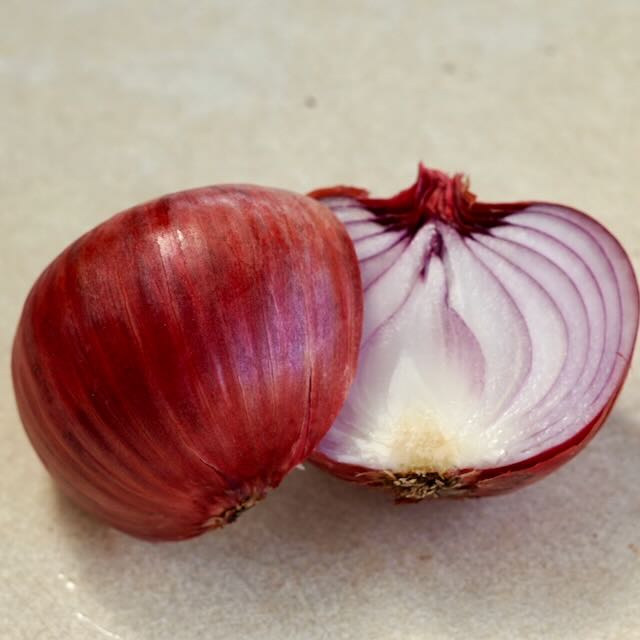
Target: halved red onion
{"x":174,"y":363}
{"x":496,"y":338}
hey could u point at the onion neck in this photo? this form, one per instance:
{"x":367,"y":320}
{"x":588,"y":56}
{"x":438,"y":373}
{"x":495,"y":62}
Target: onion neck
{"x":435,"y":196}
{"x":440,"y":197}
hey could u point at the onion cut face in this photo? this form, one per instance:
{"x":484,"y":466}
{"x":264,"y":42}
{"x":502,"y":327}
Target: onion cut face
{"x":174,"y":363}
{"x":496,"y":338}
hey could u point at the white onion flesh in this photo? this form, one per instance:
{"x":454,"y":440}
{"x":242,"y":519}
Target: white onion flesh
{"x":483,"y":350}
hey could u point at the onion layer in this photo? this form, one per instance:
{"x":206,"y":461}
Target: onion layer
{"x":496,"y":338}
{"x":177,"y":361}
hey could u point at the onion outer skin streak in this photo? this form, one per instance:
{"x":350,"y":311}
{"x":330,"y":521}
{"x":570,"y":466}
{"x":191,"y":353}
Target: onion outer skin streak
{"x":437,"y":199}
{"x":176,"y":362}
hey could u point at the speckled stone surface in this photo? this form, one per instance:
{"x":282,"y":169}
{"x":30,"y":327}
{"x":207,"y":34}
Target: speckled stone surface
{"x":105,"y":104}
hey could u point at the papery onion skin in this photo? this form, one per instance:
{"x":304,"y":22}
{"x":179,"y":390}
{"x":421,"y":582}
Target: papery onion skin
{"x":174,"y":363}
{"x":405,"y":211}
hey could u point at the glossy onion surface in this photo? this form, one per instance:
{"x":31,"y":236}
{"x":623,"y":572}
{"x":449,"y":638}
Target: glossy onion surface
{"x":496,"y":338}
{"x":178,"y":360}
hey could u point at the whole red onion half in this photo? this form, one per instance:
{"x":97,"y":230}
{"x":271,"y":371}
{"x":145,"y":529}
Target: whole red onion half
{"x":174,"y":363}
{"x":496,"y":338}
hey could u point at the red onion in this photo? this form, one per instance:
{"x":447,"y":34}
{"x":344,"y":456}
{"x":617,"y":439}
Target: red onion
{"x":177,"y":361}
{"x":496,"y":338}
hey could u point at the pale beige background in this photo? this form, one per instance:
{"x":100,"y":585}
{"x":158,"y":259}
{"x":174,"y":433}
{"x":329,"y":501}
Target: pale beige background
{"x":105,"y":104}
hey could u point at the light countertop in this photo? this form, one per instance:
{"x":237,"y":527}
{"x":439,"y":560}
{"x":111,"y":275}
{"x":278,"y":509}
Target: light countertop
{"x":106,"y":104}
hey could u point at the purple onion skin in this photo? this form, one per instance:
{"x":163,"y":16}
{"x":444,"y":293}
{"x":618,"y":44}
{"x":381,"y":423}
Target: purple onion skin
{"x":458,"y":207}
{"x":176,"y":362}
